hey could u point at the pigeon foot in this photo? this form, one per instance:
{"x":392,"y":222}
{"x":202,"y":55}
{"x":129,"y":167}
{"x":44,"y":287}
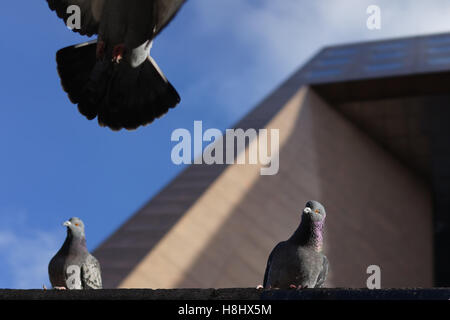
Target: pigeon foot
{"x":60,"y":288}
{"x":118,"y":53}
{"x":300,"y":287}
{"x":260,"y":287}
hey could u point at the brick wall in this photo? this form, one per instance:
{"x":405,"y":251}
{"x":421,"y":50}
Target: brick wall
{"x":379,"y":212}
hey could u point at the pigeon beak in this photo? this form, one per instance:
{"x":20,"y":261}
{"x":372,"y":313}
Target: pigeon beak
{"x":307,"y":210}
{"x":67,"y":223}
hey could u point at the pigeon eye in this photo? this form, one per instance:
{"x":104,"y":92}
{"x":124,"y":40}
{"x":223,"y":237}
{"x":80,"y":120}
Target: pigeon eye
{"x":77,"y":225}
{"x":317,"y":211}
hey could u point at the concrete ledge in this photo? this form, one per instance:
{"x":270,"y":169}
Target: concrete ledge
{"x":132,"y":294}
{"x":229,"y":294}
{"x":359,"y":294}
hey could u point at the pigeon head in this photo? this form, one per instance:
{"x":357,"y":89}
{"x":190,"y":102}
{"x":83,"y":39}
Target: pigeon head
{"x":314,"y":211}
{"x":75,"y":227}
{"x":310,"y":229}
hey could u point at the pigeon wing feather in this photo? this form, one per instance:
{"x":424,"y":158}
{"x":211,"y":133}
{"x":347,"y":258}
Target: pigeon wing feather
{"x":277,"y":248}
{"x":323,"y":273}
{"x":91,"y":277}
{"x":164,"y":12}
{"x":266,"y":274}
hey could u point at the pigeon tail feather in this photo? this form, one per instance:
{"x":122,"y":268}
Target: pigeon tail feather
{"x":119,"y":95}
{"x":75,"y":64}
{"x":135,"y":96}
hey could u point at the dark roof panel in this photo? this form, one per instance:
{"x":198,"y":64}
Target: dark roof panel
{"x":378,"y":59}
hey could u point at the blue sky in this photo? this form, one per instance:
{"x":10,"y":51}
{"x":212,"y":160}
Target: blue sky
{"x":223,"y":56}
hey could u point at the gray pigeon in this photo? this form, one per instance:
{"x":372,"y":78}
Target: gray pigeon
{"x":299,"y":261}
{"x":113,"y":78}
{"x":73,"y":267}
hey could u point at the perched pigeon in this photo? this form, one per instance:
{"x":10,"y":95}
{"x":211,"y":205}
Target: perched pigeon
{"x":73,"y":267}
{"x":299,"y":261}
{"x":114,"y":78}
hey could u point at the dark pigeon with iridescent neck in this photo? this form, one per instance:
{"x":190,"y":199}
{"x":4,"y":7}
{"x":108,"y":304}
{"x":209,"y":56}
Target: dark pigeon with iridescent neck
{"x":73,"y":267}
{"x":299,"y":261}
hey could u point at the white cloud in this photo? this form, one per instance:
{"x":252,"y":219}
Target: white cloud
{"x":27,"y":258}
{"x":25,"y":253}
{"x":285,"y":30}
{"x":6,"y":238}
{"x":282,"y":35}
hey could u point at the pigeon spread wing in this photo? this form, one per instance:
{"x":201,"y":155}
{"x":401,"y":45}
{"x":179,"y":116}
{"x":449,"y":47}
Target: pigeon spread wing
{"x":91,"y":277}
{"x":323,"y":273}
{"x":91,"y":13}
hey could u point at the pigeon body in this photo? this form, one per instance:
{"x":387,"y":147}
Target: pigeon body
{"x":299,"y":262}
{"x":73,"y":267}
{"x":114,"y":78}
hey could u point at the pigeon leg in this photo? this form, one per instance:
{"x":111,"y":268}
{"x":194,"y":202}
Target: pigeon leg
{"x":100,"y":49}
{"x":60,"y":288}
{"x":118,"y":53}
{"x":293,"y":286}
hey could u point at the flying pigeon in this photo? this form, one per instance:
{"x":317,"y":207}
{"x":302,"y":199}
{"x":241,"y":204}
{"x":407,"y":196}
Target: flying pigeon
{"x":299,"y":262}
{"x":73,"y":267}
{"x":114,"y":78}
